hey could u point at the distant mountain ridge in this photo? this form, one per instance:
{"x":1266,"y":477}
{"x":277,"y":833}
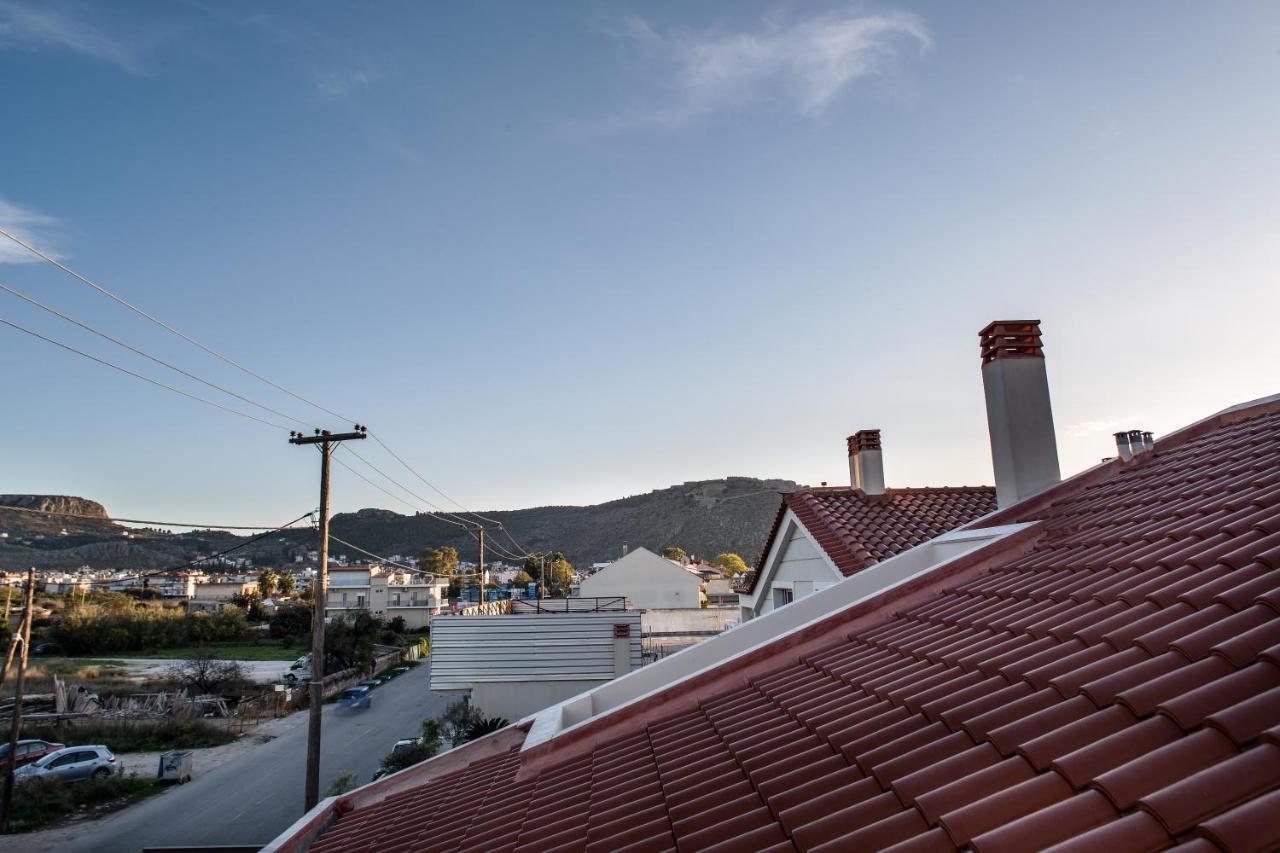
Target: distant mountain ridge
{"x":704,"y":517}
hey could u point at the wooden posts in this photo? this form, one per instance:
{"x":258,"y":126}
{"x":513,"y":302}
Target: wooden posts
{"x":24,"y":637}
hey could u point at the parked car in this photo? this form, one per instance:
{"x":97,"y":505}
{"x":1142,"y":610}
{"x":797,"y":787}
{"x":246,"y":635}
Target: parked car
{"x":369,"y":683}
{"x":355,"y":698}
{"x":404,"y":743}
{"x":300,"y":670}
{"x":30,"y":750}
{"x":46,"y":649}
{"x":72,"y":764}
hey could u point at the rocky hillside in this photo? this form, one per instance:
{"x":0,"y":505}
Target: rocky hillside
{"x":704,"y":517}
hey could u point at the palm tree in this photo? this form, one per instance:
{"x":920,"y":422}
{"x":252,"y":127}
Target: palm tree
{"x":267,"y":583}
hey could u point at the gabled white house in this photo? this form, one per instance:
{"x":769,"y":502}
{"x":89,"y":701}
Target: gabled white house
{"x":650,"y":582}
{"x":823,"y":535}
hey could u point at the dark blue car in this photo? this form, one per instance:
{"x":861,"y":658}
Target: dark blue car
{"x":355,"y":698}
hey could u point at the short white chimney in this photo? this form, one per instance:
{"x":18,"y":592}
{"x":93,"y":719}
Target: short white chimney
{"x":1123,"y":449}
{"x":866,"y":468}
{"x":1024,"y":449}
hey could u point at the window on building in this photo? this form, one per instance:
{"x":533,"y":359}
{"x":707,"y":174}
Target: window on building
{"x":781,"y":597}
{"x":360,"y":599}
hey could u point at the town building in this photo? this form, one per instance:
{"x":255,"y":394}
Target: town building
{"x":543,"y":652}
{"x":646,"y":580}
{"x":822,"y":535}
{"x":1096,"y":666}
{"x":385,"y":594}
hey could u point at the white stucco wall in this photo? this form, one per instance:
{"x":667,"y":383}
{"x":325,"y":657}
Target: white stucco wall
{"x":647,"y":581}
{"x":796,"y":564}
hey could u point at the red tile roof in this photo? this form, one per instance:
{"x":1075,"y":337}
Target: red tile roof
{"x":858,"y":530}
{"x":1108,"y":681}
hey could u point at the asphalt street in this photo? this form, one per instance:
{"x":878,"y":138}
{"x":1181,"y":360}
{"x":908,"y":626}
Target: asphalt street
{"x":257,"y":796}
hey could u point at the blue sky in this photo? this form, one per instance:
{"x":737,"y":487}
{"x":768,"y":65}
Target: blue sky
{"x":565,"y":253}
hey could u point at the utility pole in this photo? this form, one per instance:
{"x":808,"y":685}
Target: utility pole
{"x":480,"y":571}
{"x":15,"y":729}
{"x":542,"y":579}
{"x":320,"y":592}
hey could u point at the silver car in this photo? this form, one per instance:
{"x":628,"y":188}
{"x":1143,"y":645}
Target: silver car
{"x":72,"y":764}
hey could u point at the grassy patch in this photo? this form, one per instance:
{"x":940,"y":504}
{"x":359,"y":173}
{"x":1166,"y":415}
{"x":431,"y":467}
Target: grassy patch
{"x":40,"y":802}
{"x":134,"y":735}
{"x":227,"y":651}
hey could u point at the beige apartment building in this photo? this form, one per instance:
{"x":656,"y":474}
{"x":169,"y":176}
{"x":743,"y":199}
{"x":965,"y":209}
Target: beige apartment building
{"x":385,"y":594}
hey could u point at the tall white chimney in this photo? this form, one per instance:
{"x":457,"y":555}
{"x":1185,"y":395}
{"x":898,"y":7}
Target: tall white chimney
{"x":1024,"y":449}
{"x":866,"y":468}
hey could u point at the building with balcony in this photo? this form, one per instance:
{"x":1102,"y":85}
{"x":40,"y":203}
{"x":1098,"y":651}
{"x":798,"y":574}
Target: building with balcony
{"x":386,"y":595}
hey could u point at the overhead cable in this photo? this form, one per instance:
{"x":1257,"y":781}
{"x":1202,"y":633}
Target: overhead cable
{"x":146,"y":355}
{"x":129,"y":372}
{"x":198,"y":561}
{"x":114,"y":520}
{"x":135,"y":309}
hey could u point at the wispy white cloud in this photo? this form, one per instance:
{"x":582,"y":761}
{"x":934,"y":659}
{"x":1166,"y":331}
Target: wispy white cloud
{"x":44,"y":27}
{"x":1080,"y":429}
{"x":28,"y":225}
{"x":340,"y":85}
{"x":802,"y":65}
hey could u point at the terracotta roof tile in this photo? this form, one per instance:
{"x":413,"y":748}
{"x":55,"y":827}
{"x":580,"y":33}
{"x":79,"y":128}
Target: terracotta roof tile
{"x":1049,"y":825}
{"x":857,"y":531}
{"x":1137,"y":832}
{"x":1216,"y":789}
{"x":1112,"y":683}
{"x":1248,"y":828}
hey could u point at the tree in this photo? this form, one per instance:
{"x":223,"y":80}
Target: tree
{"x":291,"y":623}
{"x":522,"y":579}
{"x":343,"y":782}
{"x":482,"y":726}
{"x":673,"y":552}
{"x":286,"y":584}
{"x":559,"y":574}
{"x":207,"y":674}
{"x":731,"y":563}
{"x":439,"y":561}
{"x":267,"y":583}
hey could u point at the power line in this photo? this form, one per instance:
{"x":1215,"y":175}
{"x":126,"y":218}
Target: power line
{"x":146,"y":355}
{"x":501,"y":527}
{"x":456,"y":520}
{"x":135,"y":309}
{"x":431,"y":485}
{"x":198,"y":561}
{"x":459,"y":519}
{"x":136,"y":520}
{"x":383,"y":559}
{"x":129,"y":372}
{"x":228,"y":360}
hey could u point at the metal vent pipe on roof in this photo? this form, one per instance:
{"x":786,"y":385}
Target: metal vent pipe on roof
{"x":866,"y":467}
{"x":1024,"y":448}
{"x":1136,"y":445}
{"x":1122,"y":447}
{"x":1148,"y":441}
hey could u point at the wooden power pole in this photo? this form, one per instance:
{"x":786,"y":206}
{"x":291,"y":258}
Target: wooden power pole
{"x":320,"y":592}
{"x":480,"y":571}
{"x":15,"y":729}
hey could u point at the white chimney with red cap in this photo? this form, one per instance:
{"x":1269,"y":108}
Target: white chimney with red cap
{"x":1024,"y":449}
{"x":866,"y":468}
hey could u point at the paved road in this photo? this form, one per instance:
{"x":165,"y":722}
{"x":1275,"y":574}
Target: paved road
{"x":256,"y":797}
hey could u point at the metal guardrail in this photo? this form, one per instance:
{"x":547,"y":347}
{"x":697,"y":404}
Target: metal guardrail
{"x":597,"y":604}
